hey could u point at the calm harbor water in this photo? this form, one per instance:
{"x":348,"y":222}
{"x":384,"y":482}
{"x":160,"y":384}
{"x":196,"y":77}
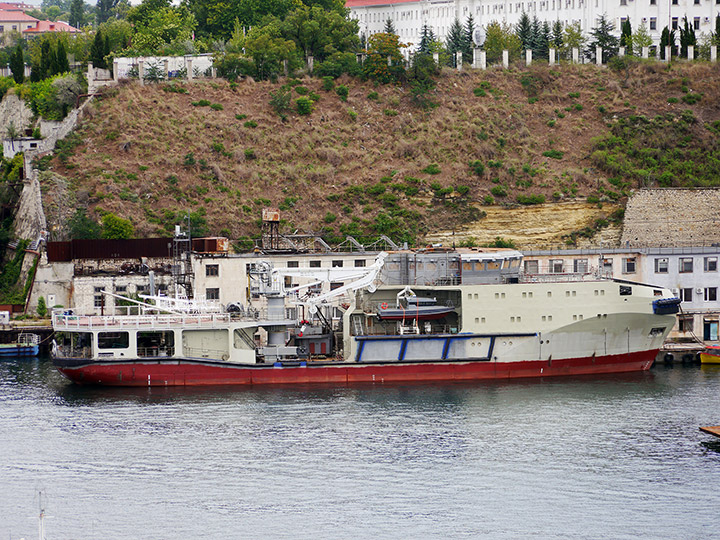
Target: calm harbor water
{"x":602,"y":457}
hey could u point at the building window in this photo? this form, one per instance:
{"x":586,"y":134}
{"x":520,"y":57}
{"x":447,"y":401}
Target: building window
{"x":336,"y":285}
{"x":580,"y":266}
{"x":686,"y":295}
{"x":685,"y":324}
{"x":653,"y":23}
{"x":675,"y":20}
{"x":661,"y":266}
{"x":686,"y":265}
{"x":98,"y":300}
{"x":711,"y":294}
{"x":531,"y":267}
{"x":359,"y":263}
{"x":653,"y":2}
{"x":710,"y":264}
{"x":212,"y":293}
{"x":120,"y":289}
{"x":696,"y":21}
{"x":629,"y":265}
{"x":337,"y":264}
{"x":315,"y":264}
{"x":212,"y":270}
{"x":293,"y":264}
{"x":556,"y":266}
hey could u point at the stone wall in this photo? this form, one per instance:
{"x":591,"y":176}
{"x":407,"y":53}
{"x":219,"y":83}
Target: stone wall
{"x":14,"y":111}
{"x":672,"y":218}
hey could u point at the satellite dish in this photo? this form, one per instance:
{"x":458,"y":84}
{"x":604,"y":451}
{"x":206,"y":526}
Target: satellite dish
{"x":479,"y":36}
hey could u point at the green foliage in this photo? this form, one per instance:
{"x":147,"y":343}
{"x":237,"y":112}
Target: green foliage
{"x":499,"y":37}
{"x":499,"y":191}
{"x":390,"y":112}
{"x":380,"y":47}
{"x":342,"y":92}
{"x":304,"y":106}
{"x":302,"y":90}
{"x":115,"y":228}
{"x":374,"y":96}
{"x":555,"y":154}
{"x":6,"y":83}
{"x":329,"y":217}
{"x":433,"y":168}
{"x":691,"y":99}
{"x":10,"y":275}
{"x":250,"y":154}
{"x":81,"y":227}
{"x":353,"y":115}
{"x":501,"y":243}
{"x":280,"y":100}
{"x":252,"y":124}
{"x":531,"y":199}
{"x":42,"y":307}
{"x":216,"y":107}
{"x":477,"y":167}
{"x":200,"y":103}
{"x":462,"y":190}
{"x":328,"y":83}
{"x":17,"y":65}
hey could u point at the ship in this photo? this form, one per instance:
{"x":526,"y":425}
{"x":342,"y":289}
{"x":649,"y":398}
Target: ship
{"x":452,"y":315}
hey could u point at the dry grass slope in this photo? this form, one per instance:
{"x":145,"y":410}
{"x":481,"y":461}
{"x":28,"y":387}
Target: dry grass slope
{"x":149,"y":154}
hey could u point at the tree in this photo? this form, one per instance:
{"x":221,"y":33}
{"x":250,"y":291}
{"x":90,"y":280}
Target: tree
{"x":380,"y":47}
{"x":523,"y":30}
{"x":687,"y":38}
{"x":266,"y":46}
{"x":454,"y":41}
{"x":641,"y":38}
{"x":573,"y":37}
{"x":602,"y":36}
{"x":157,"y":29}
{"x":97,"y":51}
{"x":557,"y":35}
{"x":468,"y":39}
{"x":498,"y":38}
{"x":667,"y":38}
{"x":104,"y":10}
{"x":389,"y":26}
{"x":426,"y":39}
{"x":17,"y":65}
{"x":716,"y":34}
{"x":216,"y":18}
{"x":116,"y":228}
{"x":41,"y":307}
{"x":81,"y":227}
{"x":320,"y":33}
{"x":626,"y":36}
{"x":62,"y":65}
{"x":542,"y":46}
{"x":77,"y":10}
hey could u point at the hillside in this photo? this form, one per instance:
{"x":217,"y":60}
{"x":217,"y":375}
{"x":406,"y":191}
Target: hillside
{"x":377,"y":164}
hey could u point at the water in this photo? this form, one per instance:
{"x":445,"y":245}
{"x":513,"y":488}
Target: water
{"x":603,"y":457}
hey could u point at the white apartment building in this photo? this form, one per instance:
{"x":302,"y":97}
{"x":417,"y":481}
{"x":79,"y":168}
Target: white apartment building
{"x":409,"y":16}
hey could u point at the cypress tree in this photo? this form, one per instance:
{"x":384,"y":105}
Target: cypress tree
{"x":687,"y":37}
{"x":17,"y":65}
{"x":77,"y":8}
{"x":97,"y":51}
{"x":63,"y":66}
{"x":468,"y":39}
{"x":626,"y":36}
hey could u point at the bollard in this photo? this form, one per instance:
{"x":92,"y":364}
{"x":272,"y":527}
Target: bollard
{"x":668,"y":53}
{"x":116,"y":70}
{"x":528,"y":57}
{"x":551,"y":55}
{"x":713,"y":53}
{"x":310,"y":63}
{"x":458,"y":60}
{"x":645,"y":52}
{"x":506,"y":58}
{"x":141,"y":71}
{"x":691,"y":52}
{"x":436,"y":58}
{"x":575,"y":55}
{"x":621,"y":52}
{"x":598,"y":55}
{"x":189,"y":68}
{"x":483,"y":60}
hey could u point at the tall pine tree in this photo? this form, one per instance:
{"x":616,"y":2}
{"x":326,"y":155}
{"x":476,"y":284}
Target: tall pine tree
{"x":557,"y":34}
{"x":468,"y":39}
{"x":426,"y":40}
{"x":602,"y":36}
{"x":454,"y":41}
{"x":389,"y":27}
{"x":523,"y":30}
{"x":97,"y":51}
{"x":77,"y":9}
{"x":626,"y":36}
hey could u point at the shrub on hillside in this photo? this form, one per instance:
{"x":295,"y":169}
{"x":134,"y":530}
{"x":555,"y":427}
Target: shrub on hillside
{"x":304,"y":106}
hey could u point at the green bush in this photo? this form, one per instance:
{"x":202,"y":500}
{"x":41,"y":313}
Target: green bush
{"x":250,"y":154}
{"x":216,"y":107}
{"x":342,"y":92}
{"x":329,"y":217}
{"x":116,"y":228}
{"x":41,"y":307}
{"x":480,"y":92}
{"x":240,"y":116}
{"x":353,"y":115}
{"x":390,"y":112}
{"x":302,"y":90}
{"x":377,"y":189}
{"x":499,"y":191}
{"x":555,"y":154}
{"x":574,"y":95}
{"x":433,"y":168}
{"x":531,"y":199}
{"x":304,"y":106}
{"x":200,"y":103}
{"x":462,"y":190}
{"x":691,"y":99}
{"x":374,"y":96}
{"x":488,"y":200}
{"x":328,"y":83}
{"x":672,"y":100}
{"x":477,"y":167}
{"x":250,"y":124}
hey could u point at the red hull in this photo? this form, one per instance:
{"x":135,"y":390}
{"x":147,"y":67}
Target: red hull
{"x":197,"y":373}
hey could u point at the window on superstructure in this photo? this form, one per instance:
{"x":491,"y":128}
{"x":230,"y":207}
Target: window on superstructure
{"x":686,"y":265}
{"x":337,"y":264}
{"x":531,"y":267}
{"x":661,"y":266}
{"x":212,"y":270}
{"x":315,"y":264}
{"x":293,"y":264}
{"x":711,"y":294}
{"x":625,"y":290}
{"x":629,"y":265}
{"x":686,"y":295}
{"x":113,"y":340}
{"x":98,"y":300}
{"x":580,"y":266}
{"x":556,"y":266}
{"x":359,"y":263}
{"x":710,"y":264}
{"x":212,"y":293}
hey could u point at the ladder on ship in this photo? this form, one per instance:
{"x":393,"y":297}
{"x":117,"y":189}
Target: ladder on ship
{"x":358,"y":326}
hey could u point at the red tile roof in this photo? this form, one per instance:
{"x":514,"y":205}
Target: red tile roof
{"x":50,"y":26}
{"x":15,"y":16}
{"x":367,"y":3}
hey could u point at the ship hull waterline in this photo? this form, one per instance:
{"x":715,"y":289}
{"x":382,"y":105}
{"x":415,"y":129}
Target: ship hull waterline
{"x":192,"y":372}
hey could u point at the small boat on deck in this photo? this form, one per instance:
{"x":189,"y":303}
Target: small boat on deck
{"x":26,"y":345}
{"x":711,"y":355}
{"x":413,"y":308}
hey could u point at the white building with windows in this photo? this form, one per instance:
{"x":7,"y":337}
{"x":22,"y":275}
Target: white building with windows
{"x":409,"y":16}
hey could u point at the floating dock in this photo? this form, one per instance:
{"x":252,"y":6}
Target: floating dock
{"x":712,"y":430}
